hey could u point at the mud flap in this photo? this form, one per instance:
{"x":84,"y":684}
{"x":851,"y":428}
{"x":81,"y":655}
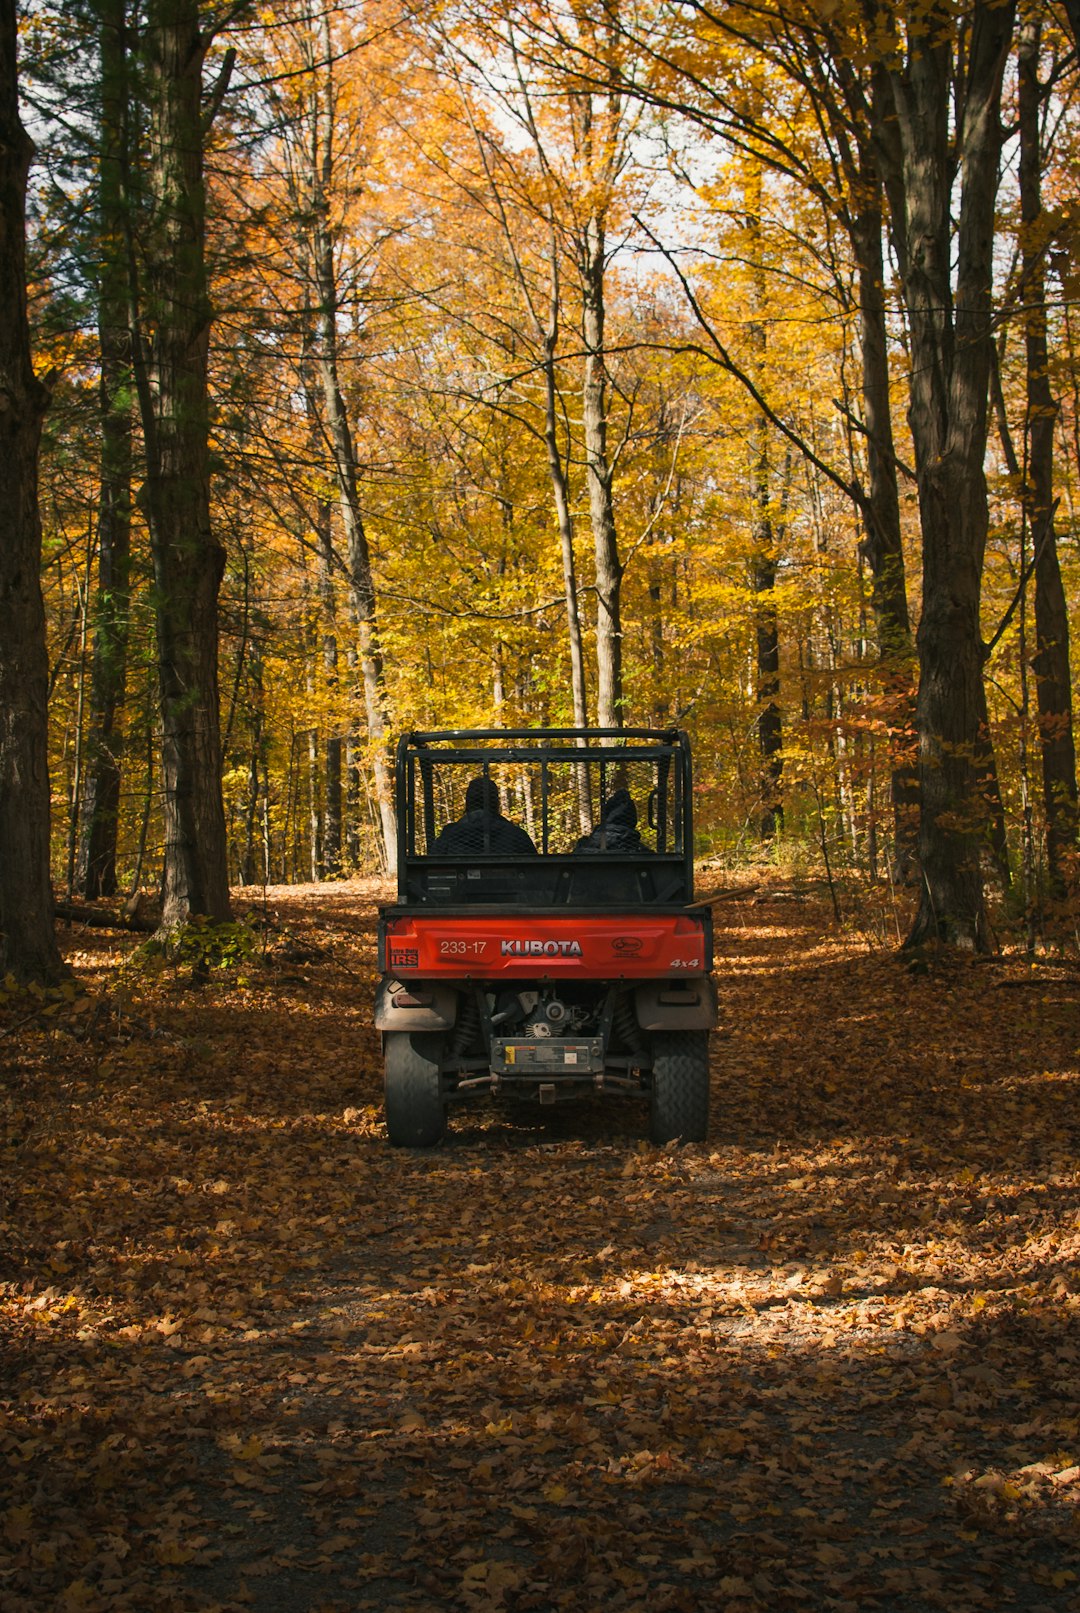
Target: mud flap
{"x":683,"y":1005}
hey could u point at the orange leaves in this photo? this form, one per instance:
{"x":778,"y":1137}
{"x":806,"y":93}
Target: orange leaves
{"x":18,"y":1524}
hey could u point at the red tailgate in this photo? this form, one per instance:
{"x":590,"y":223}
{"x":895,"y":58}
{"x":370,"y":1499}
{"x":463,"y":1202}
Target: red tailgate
{"x":587,"y":946}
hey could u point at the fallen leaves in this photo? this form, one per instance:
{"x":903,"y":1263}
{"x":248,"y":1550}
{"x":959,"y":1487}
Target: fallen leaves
{"x":253,"y":1357}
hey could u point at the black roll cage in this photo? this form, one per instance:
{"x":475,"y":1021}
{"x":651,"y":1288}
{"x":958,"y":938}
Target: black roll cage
{"x":665,"y":878}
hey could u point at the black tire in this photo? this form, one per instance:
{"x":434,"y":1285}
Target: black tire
{"x":415,"y":1112}
{"x":680,"y":1087}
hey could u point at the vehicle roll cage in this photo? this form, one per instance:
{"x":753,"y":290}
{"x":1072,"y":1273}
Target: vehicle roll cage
{"x":664,"y":876}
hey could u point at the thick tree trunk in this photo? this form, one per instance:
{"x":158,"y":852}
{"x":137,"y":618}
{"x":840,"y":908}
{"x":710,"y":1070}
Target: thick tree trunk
{"x":171,"y":367}
{"x":1050,"y":663}
{"x":598,"y":476}
{"x":96,"y":868}
{"x":950,"y":352}
{"x":27,"y":941}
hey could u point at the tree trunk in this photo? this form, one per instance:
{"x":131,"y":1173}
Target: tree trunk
{"x":27,"y":940}
{"x":660,"y":577}
{"x":661,"y":704}
{"x":548,"y":335}
{"x":950,"y":351}
{"x":767,"y":688}
{"x":763,"y":556}
{"x":334,"y":749}
{"x":883,"y":545}
{"x":362,"y":600}
{"x":314,"y":780}
{"x":1053,"y":682}
{"x":354,"y":784}
{"x":171,"y":368}
{"x":598,"y":475}
{"x":357,"y":552}
{"x":253,"y":870}
{"x":96,"y":868}
{"x":561,"y":495}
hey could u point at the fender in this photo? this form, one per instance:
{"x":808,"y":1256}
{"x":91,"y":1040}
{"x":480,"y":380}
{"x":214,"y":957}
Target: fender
{"x":429,"y":1006}
{"x":677,"y":1005}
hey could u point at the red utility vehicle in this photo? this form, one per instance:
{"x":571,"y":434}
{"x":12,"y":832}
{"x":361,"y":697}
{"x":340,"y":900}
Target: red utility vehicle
{"x":544,"y":965}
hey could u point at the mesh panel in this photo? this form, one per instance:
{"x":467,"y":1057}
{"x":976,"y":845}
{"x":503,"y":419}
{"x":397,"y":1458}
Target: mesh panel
{"x":557,"y":804}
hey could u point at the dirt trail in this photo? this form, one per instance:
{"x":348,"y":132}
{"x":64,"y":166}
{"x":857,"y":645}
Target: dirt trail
{"x":255,"y":1359}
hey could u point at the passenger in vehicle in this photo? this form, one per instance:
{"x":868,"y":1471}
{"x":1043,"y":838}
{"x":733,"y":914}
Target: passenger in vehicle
{"x":617,"y":829}
{"x":483,"y":827}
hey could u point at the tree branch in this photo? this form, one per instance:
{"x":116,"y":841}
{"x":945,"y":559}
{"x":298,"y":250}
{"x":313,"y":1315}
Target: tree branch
{"x":1042,"y":538}
{"x":723,"y":358}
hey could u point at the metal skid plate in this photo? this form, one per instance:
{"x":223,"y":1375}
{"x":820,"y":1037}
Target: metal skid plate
{"x":546,"y":1056}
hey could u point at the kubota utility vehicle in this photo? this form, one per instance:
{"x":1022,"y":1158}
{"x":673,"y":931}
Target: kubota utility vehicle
{"x":545,"y":943}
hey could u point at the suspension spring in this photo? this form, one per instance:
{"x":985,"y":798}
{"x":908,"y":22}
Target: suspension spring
{"x":467,"y":1027}
{"x":624,"y":1023}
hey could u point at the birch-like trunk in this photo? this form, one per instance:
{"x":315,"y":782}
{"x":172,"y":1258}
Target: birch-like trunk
{"x":561,"y":496}
{"x":598,"y":476}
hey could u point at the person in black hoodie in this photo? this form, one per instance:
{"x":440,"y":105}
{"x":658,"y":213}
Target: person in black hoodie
{"x":617,"y":829}
{"x":483,"y":827}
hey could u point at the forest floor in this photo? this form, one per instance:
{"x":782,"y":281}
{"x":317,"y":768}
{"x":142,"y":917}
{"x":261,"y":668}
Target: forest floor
{"x":252,"y":1358}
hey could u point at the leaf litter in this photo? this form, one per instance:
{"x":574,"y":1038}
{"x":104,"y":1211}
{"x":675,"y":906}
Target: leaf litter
{"x":253,"y":1358}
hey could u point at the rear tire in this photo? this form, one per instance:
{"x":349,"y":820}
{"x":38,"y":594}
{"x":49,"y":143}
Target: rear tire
{"x":415,"y":1112}
{"x":679,"y":1108}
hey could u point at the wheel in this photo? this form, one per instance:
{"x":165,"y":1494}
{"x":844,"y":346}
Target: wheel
{"x":415,"y":1113}
{"x":680,"y":1086}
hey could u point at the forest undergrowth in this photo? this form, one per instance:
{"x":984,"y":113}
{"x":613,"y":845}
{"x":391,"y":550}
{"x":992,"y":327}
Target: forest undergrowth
{"x":254,"y":1359}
